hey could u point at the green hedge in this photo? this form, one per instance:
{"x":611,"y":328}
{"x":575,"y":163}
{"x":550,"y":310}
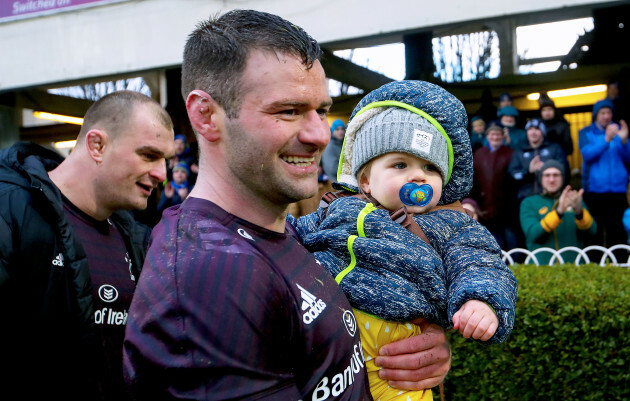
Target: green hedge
{"x":571,"y":341}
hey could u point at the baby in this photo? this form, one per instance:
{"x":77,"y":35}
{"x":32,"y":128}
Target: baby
{"x":397,"y":239}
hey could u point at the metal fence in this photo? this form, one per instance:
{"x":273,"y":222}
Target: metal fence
{"x":607,"y":255}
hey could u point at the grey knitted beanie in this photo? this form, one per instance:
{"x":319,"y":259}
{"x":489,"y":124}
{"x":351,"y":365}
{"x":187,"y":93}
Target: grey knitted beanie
{"x":398,"y":130}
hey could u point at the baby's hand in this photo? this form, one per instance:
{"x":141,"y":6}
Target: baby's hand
{"x":477,"y":320}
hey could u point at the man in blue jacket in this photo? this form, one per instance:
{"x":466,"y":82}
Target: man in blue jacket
{"x":606,"y":153}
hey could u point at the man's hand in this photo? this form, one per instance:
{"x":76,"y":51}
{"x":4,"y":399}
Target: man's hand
{"x":623,"y":132}
{"x":172,"y":162}
{"x":611,"y":131}
{"x":183,"y":193}
{"x":575,"y":200}
{"x":564,"y":202}
{"x":506,"y":136}
{"x":418,"y":362}
{"x":477,"y":320}
{"x":169,"y":191}
{"x":536,"y":164}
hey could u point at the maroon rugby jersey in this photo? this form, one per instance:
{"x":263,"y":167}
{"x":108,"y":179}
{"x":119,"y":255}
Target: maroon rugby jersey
{"x":112,"y":286}
{"x":225,"y":309}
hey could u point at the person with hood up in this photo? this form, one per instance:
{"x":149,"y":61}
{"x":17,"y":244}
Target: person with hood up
{"x":176,"y":190}
{"x":558,"y":217}
{"x":330,"y":158}
{"x":410,"y":137}
{"x":606,"y":154}
{"x":558,"y":129}
{"x":514,"y":136}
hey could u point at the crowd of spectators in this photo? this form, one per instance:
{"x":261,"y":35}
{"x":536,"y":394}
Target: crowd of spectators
{"x":522,"y":207}
{"x":509,"y":154}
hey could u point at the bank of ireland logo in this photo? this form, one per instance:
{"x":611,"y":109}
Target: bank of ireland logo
{"x":108,"y":293}
{"x":350,"y":322}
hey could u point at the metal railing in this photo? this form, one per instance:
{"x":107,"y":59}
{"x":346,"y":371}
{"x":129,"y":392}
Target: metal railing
{"x":607,"y":258}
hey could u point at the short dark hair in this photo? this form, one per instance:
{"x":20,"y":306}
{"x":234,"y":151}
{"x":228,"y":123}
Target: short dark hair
{"x":114,"y":111}
{"x":216,"y":53}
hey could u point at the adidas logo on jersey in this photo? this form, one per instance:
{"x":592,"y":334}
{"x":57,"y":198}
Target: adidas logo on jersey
{"x":311,"y":306}
{"x":58,"y":260}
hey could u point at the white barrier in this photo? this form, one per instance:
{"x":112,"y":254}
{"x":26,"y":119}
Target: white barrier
{"x":608,"y":257}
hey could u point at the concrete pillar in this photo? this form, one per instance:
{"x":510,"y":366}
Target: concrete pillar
{"x":506,"y":31}
{"x":419,"y":56}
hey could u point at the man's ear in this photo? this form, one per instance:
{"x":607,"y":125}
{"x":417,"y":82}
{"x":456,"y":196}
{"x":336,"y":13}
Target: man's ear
{"x":205,"y":115}
{"x":96,"y":141}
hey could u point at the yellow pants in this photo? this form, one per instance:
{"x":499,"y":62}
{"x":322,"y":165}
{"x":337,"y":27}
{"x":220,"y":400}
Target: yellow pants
{"x":376,"y":332}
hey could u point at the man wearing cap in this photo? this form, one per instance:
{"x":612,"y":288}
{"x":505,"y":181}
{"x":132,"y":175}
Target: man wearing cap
{"x":606,"y":154}
{"x":527,"y":162}
{"x":558,"y":217}
{"x":514,"y":137}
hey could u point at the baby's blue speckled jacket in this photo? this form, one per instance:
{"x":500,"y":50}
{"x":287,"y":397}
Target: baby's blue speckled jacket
{"x":400,"y":277}
{"x":397,"y":275}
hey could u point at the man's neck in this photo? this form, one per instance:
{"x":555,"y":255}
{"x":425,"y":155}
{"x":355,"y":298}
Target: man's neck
{"x":600,"y":127}
{"x":70,"y":182}
{"x":236,"y":201}
{"x":553,"y":195}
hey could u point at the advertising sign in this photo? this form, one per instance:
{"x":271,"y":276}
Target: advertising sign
{"x":11,"y":10}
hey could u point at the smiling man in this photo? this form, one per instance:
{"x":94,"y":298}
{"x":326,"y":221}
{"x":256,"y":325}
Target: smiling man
{"x":69,"y":255}
{"x":558,"y":217}
{"x":230,"y":305}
